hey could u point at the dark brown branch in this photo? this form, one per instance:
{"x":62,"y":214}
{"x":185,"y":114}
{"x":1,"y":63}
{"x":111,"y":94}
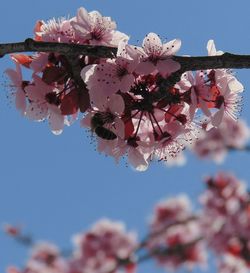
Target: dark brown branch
{"x":245,"y":148}
{"x":144,"y":242}
{"x":168,"y":251}
{"x":29,"y":45}
{"x":226,"y":60}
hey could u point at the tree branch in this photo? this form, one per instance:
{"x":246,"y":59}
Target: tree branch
{"x":226,"y":60}
{"x":29,"y":45}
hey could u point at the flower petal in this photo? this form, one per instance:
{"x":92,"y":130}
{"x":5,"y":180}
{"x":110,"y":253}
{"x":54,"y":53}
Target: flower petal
{"x":152,"y":44}
{"x":171,"y":47}
{"x":116,"y":104}
{"x":168,"y":66}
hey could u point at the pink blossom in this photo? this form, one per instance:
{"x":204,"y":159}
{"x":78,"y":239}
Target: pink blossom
{"x":232,"y":264}
{"x":12,"y":230}
{"x":100,"y":249}
{"x":105,"y":79}
{"x":93,"y":28}
{"x":45,"y":258}
{"x":226,"y":216}
{"x":107,"y":114}
{"x":18,"y":85}
{"x":39,"y":62}
{"x":214,"y":144}
{"x":44,"y":104}
{"x":59,"y":30}
{"x":228,"y":100}
{"x":156,"y":56}
{"x":174,"y":227}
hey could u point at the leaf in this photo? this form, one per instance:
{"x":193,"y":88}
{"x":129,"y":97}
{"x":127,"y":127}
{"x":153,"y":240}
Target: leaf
{"x":22,"y":59}
{"x":70,"y":103}
{"x":53,"y":74}
{"x":37,"y":29}
{"x":129,"y":128}
{"x":84,"y":100}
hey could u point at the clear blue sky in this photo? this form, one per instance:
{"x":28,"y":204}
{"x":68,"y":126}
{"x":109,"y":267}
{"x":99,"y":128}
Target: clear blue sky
{"x":59,"y":185}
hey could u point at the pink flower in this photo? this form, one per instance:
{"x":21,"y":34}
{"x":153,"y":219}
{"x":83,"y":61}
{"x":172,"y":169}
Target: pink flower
{"x":175,"y":229}
{"x":100,"y":249}
{"x":44,"y":101}
{"x":18,"y":85}
{"x":45,"y":258}
{"x":226,"y":217}
{"x":106,"y":79}
{"x":95,"y":29}
{"x":214,"y":144}
{"x":12,"y":230}
{"x":156,"y":56}
{"x":228,"y":100}
{"x":106,"y":114}
{"x":59,"y":30}
{"x":232,"y":264}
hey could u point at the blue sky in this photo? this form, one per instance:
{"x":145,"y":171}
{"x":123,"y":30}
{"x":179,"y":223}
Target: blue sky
{"x":58,"y":185}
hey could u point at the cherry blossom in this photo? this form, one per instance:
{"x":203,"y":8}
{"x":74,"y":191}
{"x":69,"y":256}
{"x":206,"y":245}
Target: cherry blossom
{"x":106,"y":79}
{"x":214,"y":144}
{"x":93,"y":28}
{"x":119,"y":96}
{"x":228,"y":100}
{"x":174,"y":227}
{"x":101,"y":248}
{"x":155,"y":55}
{"x":231,"y":264}
{"x":44,"y":258}
{"x":55,"y":30}
{"x":18,"y":85}
{"x":226,"y":216}
{"x":44,"y":101}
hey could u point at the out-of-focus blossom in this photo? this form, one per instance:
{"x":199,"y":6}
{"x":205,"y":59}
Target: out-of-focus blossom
{"x":100,"y":249}
{"x":174,"y":228}
{"x":232,"y":264}
{"x":12,"y":230}
{"x":44,"y":258}
{"x":226,"y":216}
{"x":215,"y":143}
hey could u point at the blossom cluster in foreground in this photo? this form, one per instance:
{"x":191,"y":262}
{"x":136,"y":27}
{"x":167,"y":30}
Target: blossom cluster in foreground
{"x":177,"y":237}
{"x":120,"y":95}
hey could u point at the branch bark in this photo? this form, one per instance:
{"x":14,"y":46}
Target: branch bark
{"x":226,"y":60}
{"x":29,"y":45}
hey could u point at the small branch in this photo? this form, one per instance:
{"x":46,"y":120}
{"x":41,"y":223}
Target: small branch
{"x":235,"y":149}
{"x":144,"y":242}
{"x":224,"y":61}
{"x":29,"y":45}
{"x":168,"y":251}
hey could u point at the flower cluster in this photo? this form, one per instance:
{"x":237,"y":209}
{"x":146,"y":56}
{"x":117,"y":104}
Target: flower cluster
{"x":226,"y":217}
{"x":102,"y":249}
{"x":175,"y":231}
{"x":177,"y":237}
{"x":45,"y":258}
{"x":215,"y":143}
{"x":126,"y":102}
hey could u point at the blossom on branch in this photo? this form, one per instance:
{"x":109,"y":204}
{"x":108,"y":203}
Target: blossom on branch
{"x":226,"y":216}
{"x":103,"y":248}
{"x":156,"y":120}
{"x":176,"y":229}
{"x":215,"y":143}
